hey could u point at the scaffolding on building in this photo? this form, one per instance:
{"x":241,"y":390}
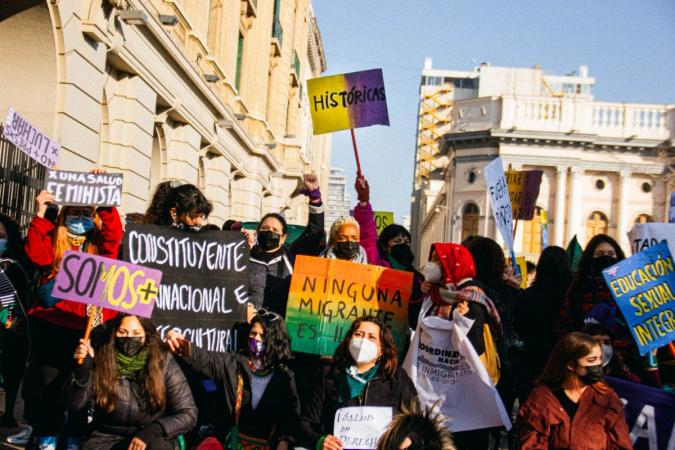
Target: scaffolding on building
{"x":434,"y":114}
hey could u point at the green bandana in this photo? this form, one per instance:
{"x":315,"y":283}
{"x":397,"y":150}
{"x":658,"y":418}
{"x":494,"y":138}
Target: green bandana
{"x":395,"y":264}
{"x":353,"y":383}
{"x":128,"y":366}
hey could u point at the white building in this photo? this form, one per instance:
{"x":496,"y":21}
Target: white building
{"x":604,"y":163}
{"x":337,"y":199}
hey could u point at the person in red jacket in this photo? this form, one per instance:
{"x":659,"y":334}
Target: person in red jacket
{"x":570,"y":407}
{"x":57,"y":325}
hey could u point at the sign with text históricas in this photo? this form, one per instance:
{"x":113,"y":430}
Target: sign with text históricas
{"x":205,"y":280}
{"x":350,"y":100}
{"x":108,"y":283}
{"x":326,"y":295}
{"x":30,"y":140}
{"x":85,"y":188}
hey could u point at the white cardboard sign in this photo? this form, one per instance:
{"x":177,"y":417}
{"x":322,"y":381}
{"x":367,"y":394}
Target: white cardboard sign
{"x":30,"y":140}
{"x":360,"y":427}
{"x":500,"y":200}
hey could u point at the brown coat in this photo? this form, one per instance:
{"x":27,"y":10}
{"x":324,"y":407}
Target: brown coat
{"x":599,"y":423}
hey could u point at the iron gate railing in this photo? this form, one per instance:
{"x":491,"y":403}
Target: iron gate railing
{"x":21,"y":179}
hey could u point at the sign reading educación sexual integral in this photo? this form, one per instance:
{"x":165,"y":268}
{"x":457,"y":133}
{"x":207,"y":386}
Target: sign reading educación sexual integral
{"x":350,"y":100}
{"x":326,"y":295}
{"x":204,"y":286}
{"x":85,"y":188}
{"x":644,"y":288}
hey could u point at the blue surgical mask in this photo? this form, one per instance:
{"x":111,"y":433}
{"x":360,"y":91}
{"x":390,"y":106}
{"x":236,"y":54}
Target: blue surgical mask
{"x":79,"y":225}
{"x":3,"y":246}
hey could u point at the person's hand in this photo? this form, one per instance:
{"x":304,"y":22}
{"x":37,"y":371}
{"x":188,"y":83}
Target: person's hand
{"x":98,"y":171}
{"x":462,"y":307}
{"x":250,"y":237}
{"x":282,"y":445}
{"x":512,"y":279}
{"x":42,"y":200}
{"x":251,"y":311}
{"x":310,"y":182}
{"x":425,"y":287}
{"x":136,"y":444}
{"x":176,"y":342}
{"x":83,"y":349}
{"x":331,"y":443}
{"x":362,"y":189}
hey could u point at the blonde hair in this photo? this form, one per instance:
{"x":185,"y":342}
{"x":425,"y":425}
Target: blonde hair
{"x":344,"y":220}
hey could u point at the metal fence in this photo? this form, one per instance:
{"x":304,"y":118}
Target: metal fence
{"x":21,"y":179}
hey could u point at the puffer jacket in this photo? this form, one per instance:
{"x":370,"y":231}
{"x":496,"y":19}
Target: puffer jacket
{"x":129,"y":417}
{"x":599,"y":423}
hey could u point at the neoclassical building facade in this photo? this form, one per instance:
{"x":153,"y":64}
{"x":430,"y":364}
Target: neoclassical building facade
{"x":605,"y":165}
{"x":209,"y":92}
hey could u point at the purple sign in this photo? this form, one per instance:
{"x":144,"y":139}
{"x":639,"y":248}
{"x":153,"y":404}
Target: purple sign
{"x":108,"y":283}
{"x":30,"y":140}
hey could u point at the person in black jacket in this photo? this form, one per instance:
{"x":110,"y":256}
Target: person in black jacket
{"x":364,"y":372}
{"x":261,"y":401}
{"x":271,"y":262}
{"x":140,"y":397}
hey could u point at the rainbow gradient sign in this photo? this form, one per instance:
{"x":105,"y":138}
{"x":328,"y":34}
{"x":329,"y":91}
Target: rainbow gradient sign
{"x":350,"y":100}
{"x":326,"y":295}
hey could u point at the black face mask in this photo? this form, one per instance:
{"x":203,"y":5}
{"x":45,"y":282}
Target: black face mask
{"x":403,"y":254}
{"x":346,"y":250}
{"x":600,"y":263}
{"x":268,"y":240}
{"x":593,"y":374}
{"x":129,"y":346}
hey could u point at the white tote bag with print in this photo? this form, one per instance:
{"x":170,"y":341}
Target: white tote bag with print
{"x":449,"y":375}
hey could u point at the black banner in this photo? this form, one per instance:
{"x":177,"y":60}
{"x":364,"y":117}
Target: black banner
{"x":204,"y":287}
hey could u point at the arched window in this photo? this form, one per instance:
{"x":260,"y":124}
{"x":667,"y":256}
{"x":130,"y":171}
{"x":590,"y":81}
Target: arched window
{"x":158,"y":158}
{"x":470,"y":215}
{"x":597,"y":223}
{"x":644,"y":218}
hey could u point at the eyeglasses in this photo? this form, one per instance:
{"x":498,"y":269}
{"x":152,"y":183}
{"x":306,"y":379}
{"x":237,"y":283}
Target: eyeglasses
{"x":269,"y":315}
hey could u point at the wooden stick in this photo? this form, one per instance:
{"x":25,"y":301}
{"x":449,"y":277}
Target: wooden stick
{"x":356,"y":154}
{"x":87,"y":331}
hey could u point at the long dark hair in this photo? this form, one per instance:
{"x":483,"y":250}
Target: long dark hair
{"x":187,"y":199}
{"x":489,"y":259}
{"x":389,"y":358}
{"x":275,"y":338}
{"x":584,"y":268}
{"x":155,"y":210}
{"x":151,"y":377}
{"x":14,"y":239}
{"x":553,"y":268}
{"x":279,"y":217}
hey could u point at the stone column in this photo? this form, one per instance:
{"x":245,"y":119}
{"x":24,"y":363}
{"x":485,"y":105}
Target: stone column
{"x":559,"y":217}
{"x":246,"y":199}
{"x":573,"y":209}
{"x":621,"y":219}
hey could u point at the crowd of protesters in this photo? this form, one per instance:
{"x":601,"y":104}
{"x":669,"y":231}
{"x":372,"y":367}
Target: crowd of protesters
{"x":545,"y":348}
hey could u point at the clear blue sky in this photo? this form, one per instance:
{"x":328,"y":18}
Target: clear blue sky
{"x":629,"y":47}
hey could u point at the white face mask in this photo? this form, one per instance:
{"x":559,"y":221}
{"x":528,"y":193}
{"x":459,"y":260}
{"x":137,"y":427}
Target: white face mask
{"x":363,"y":350}
{"x":607,"y":354}
{"x":432,"y":272}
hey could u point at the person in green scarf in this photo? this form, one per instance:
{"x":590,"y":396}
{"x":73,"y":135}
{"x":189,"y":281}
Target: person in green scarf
{"x":140,"y":396}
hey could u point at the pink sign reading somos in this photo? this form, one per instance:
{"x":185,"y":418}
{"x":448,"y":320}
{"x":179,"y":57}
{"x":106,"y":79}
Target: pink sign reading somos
{"x":108,"y":283}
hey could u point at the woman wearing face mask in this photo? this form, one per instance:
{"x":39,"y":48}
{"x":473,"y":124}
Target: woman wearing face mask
{"x":344,"y":241}
{"x":571,"y":407}
{"x":272,"y":260}
{"x":364,"y":372}
{"x":261,"y":403}
{"x":57,"y":325}
{"x":140,"y":397}
{"x":185,"y":208}
{"x":613,"y":365}
{"x":19,"y":273}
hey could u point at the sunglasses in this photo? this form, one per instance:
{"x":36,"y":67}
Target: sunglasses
{"x":268,"y":315}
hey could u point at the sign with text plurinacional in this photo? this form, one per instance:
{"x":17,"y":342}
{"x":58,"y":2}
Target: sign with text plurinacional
{"x":523,"y":191}
{"x":326,"y":295}
{"x":499,"y":200}
{"x":644,"y":289}
{"x":383,"y":219}
{"x":85,"y":188}
{"x":349,"y":100}
{"x":360,"y":427}
{"x":30,"y":140}
{"x":205,"y":280}
{"x":108,"y":283}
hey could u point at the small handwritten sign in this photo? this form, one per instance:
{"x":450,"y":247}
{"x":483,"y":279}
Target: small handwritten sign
{"x":360,"y":427}
{"x":30,"y":140}
{"x":109,"y":283}
{"x":84,"y":188}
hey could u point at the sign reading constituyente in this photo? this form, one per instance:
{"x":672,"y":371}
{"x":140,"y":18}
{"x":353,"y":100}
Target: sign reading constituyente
{"x":108,"y":283}
{"x":204,"y":287}
{"x":644,"y":288}
{"x":500,"y":200}
{"x":30,"y":140}
{"x":350,"y":100}
{"x":326,"y":295}
{"x":84,"y":188}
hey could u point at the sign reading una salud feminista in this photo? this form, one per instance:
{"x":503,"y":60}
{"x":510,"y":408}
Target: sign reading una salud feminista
{"x":500,"y":200}
{"x":204,"y":287}
{"x":30,"y":140}
{"x":108,"y":283}
{"x":84,"y":188}
{"x":326,"y":295}
{"x":350,"y":100}
{"x":644,"y":288}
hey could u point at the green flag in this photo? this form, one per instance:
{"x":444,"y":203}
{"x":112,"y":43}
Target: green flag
{"x":574,"y":252}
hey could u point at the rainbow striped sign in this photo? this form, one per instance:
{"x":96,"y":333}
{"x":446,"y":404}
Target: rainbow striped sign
{"x":350,"y":100}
